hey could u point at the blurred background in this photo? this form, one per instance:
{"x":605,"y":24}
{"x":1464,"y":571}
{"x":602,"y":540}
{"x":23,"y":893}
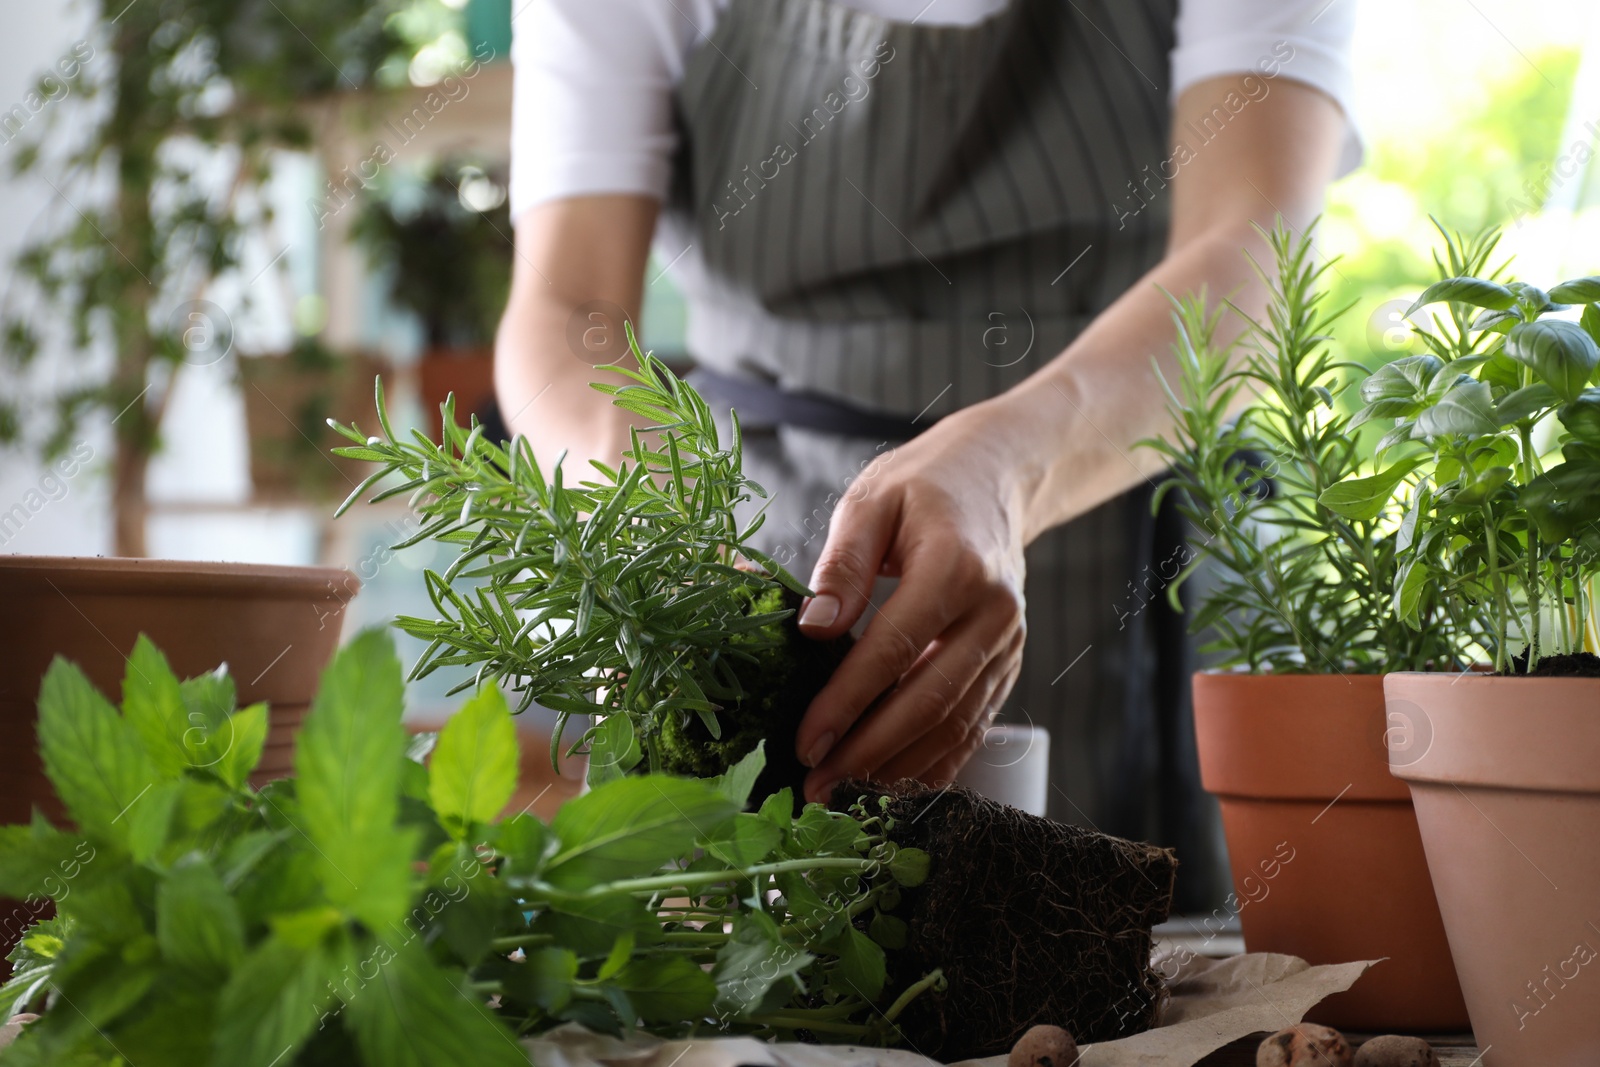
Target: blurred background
{"x":280,"y":199}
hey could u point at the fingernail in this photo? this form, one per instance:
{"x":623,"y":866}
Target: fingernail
{"x":821,"y":612}
{"x":822,"y":746}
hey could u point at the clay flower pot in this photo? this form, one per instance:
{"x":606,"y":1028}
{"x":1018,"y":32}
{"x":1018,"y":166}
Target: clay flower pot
{"x":275,"y":628}
{"x":1506,"y":782}
{"x":1327,"y":861}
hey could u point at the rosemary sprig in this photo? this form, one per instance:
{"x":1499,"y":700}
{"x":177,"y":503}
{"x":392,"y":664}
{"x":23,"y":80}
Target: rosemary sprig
{"x":618,"y":596}
{"x":1303,"y":585}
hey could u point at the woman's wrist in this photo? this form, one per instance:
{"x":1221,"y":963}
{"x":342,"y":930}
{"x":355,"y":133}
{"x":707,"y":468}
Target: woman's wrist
{"x":1070,"y":450}
{"x":1021,"y":440}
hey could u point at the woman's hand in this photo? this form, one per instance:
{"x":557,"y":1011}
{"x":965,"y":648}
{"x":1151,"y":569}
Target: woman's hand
{"x":943,"y":513}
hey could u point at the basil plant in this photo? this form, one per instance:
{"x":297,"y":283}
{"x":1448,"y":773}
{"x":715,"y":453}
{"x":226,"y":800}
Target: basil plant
{"x":1493,"y":440}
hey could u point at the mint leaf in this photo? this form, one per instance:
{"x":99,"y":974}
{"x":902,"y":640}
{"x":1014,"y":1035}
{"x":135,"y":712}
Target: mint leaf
{"x":524,"y":844}
{"x":744,"y":840}
{"x":473,"y":770}
{"x":413,"y":1015}
{"x":613,"y":749}
{"x":92,"y":756}
{"x":272,"y":1002}
{"x":348,"y":788}
{"x":543,"y":979}
{"x":37,"y":860}
{"x":197,"y":923}
{"x":153,"y":705}
{"x":754,"y":962}
{"x":737,"y":782}
{"x":861,"y":966}
{"x":666,"y":989}
{"x":630,"y":827}
{"x":149,"y":821}
{"x":247,"y":737}
{"x":208,"y":702}
{"x":591,"y":927}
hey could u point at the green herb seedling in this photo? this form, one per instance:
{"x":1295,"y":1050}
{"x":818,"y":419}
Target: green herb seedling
{"x":619,"y":596}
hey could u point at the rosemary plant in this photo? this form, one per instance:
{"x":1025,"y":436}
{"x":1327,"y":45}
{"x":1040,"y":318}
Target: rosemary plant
{"x":1497,"y":431}
{"x":1304,"y":585}
{"x":619,"y":596}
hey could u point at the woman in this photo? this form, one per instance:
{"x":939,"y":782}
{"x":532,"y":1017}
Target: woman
{"x":924,"y":244}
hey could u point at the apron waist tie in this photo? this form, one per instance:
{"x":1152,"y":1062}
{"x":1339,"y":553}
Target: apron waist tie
{"x":766,"y":404}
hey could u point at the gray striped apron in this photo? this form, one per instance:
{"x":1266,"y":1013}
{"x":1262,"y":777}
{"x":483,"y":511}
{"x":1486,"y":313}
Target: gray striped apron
{"x":904,"y":219}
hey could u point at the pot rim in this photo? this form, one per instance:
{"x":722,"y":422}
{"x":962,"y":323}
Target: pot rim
{"x":1496,"y":731}
{"x":173,"y":577}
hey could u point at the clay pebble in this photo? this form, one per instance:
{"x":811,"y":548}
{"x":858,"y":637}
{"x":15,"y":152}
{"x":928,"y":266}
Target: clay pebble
{"x":1393,"y":1050}
{"x":1304,"y":1045}
{"x":1044,"y":1046}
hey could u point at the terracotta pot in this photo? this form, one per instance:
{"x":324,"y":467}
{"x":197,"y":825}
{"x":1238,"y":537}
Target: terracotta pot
{"x":275,"y":627}
{"x":1507,"y":789}
{"x":1323,"y":843}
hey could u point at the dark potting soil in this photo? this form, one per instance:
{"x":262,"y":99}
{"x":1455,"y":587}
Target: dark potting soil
{"x":778,"y":689}
{"x":1567,"y":665}
{"x":1032,"y":921}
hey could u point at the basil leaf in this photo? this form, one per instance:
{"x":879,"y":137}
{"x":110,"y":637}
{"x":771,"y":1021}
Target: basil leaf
{"x":1577,"y":291}
{"x":1559,"y":352}
{"x":1581,"y":416}
{"x":1410,"y":582}
{"x":1363,"y":499}
{"x":1404,"y":378}
{"x":1525,"y":403}
{"x":1478,"y":292}
{"x":1466,"y":409}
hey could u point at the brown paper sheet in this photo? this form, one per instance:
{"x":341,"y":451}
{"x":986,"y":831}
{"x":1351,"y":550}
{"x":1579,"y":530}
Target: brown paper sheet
{"x":1213,"y":1003}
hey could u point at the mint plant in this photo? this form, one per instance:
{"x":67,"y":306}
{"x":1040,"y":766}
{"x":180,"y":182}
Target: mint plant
{"x":1495,"y":434}
{"x":1309,"y":547}
{"x":373,"y":911}
{"x":619,"y":596}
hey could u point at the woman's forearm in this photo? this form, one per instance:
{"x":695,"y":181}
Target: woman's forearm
{"x":577,"y":276}
{"x":1076,"y":423}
